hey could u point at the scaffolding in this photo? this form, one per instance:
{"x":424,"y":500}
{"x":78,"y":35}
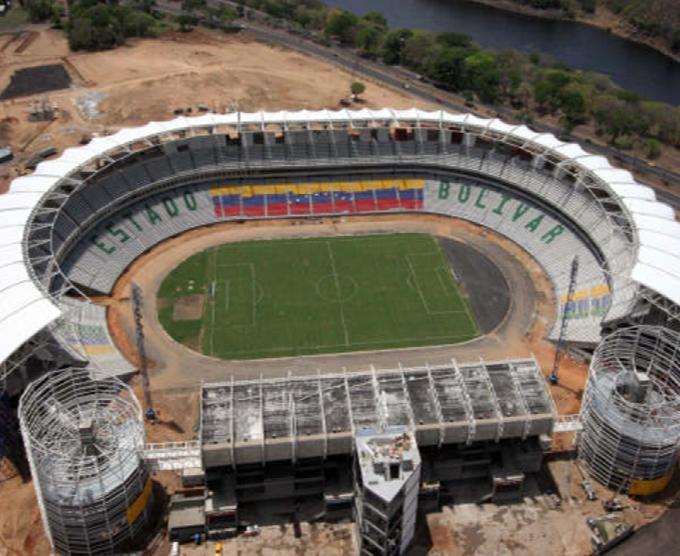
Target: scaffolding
{"x":84,"y":437}
{"x":285,"y":419}
{"x":631,"y":410}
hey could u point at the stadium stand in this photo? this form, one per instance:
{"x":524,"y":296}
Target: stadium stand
{"x":85,"y":331}
{"x":81,"y":219}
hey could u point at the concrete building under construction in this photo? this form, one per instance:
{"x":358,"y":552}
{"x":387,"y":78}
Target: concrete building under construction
{"x":297,"y":438}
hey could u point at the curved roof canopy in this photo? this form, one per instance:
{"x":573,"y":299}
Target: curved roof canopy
{"x":25,"y":308}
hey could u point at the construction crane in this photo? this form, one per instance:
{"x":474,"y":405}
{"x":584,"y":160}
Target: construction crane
{"x":553,"y":378}
{"x":143,"y":363}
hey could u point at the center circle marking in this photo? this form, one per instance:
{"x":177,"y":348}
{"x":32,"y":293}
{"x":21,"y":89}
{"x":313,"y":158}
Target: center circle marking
{"x":336,"y":288}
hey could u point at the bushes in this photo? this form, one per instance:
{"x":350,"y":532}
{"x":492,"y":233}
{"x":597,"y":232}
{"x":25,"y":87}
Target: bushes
{"x":97,"y":26}
{"x":39,"y":10}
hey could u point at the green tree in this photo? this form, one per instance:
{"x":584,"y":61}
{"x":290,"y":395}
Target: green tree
{"x":662,"y":121}
{"x":39,"y":10}
{"x":376,"y":19}
{"x":186,"y":22}
{"x":393,"y":44}
{"x":190,"y":6}
{"x":448,"y":66}
{"x":368,"y":41}
{"x":574,"y":104}
{"x":617,"y":118}
{"x":482,"y":75}
{"x":652,"y":149}
{"x":417,"y":50}
{"x":510,"y":69}
{"x":454,"y":39}
{"x":549,"y":86}
{"x":357,"y":88}
{"x":342,"y":25}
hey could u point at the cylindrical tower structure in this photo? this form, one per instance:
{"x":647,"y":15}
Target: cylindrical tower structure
{"x":83,"y":435}
{"x":631,"y":410}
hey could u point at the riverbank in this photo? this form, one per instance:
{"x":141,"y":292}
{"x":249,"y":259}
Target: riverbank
{"x":601,"y":19}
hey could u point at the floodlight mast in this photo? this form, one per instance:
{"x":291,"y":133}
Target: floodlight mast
{"x":143,"y":362}
{"x":559,"y":352}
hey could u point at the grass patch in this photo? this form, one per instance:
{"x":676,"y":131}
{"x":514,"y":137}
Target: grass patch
{"x":321,"y":295}
{"x":15,"y":18}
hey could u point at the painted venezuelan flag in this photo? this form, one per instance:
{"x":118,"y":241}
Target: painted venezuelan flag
{"x":325,"y":197}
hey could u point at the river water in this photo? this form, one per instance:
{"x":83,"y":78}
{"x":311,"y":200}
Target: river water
{"x":632,"y":66}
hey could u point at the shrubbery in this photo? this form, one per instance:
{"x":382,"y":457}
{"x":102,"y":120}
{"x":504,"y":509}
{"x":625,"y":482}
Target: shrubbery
{"x":94,"y":25}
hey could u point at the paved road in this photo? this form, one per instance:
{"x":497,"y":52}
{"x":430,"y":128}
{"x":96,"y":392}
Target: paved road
{"x":396,"y":76}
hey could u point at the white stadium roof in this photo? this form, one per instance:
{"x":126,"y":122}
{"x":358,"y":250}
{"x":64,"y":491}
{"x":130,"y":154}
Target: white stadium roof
{"x":25,"y":309}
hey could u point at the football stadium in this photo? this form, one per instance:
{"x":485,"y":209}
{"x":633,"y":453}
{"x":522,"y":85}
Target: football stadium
{"x":346,"y":291}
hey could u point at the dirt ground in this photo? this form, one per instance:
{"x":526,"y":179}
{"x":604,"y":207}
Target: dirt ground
{"x":148,"y":79}
{"x":21,"y":530}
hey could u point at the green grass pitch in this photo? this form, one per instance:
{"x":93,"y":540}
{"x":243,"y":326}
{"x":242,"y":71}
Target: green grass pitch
{"x":307,"y":296}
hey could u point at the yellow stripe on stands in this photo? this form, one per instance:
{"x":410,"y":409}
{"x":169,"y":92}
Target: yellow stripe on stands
{"x":581,"y":295}
{"x":306,"y":188}
{"x":262,"y":189}
{"x":599,"y":291}
{"x":103,"y":349}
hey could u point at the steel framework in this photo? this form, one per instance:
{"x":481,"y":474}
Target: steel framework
{"x":631,"y":410}
{"x":254,"y":421}
{"x":84,"y":437}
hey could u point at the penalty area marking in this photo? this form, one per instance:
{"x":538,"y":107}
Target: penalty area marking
{"x":228,"y":285}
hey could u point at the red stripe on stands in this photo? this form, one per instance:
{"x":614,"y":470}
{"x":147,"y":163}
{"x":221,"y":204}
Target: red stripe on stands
{"x":299,"y":209}
{"x":231,"y":211}
{"x":277,"y":209}
{"x":387,"y":204}
{"x":218,"y":211}
{"x":322,"y":208}
{"x":343,"y":206}
{"x":365,"y":206}
{"x":253,"y":210}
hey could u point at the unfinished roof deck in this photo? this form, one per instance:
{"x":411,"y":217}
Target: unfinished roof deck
{"x":316,"y":416}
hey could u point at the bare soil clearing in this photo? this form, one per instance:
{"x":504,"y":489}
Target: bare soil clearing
{"x":188,"y":307}
{"x":149,"y":79}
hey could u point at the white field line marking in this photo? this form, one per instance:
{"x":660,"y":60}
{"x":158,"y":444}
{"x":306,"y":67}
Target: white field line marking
{"x":389,"y":344}
{"x":251,"y":268}
{"x":337,"y":287}
{"x":416,"y":282}
{"x":212,"y":304}
{"x":253,"y":294}
{"x":466,"y":309}
{"x":445,"y":287}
